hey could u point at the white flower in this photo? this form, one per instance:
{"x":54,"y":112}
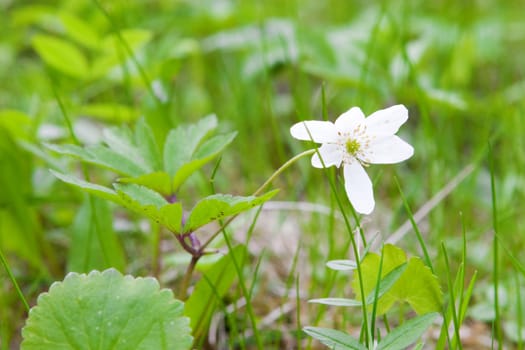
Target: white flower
{"x":355,"y":141}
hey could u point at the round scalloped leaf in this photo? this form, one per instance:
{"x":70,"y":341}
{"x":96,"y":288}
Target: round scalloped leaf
{"x":106,"y":310}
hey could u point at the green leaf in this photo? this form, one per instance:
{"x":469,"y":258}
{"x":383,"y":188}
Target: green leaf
{"x":416,"y":285}
{"x":213,"y":285}
{"x":182,"y":142}
{"x":151,"y":204}
{"x":106,"y":311}
{"x":147,"y":144}
{"x":209,"y":150}
{"x":61,"y":55}
{"x":80,"y":31}
{"x":102,"y":156}
{"x":334,"y":339}
{"x":120,"y":140}
{"x":94,"y":244}
{"x":110,"y":112}
{"x":18,"y":124}
{"x":219,"y":206}
{"x":97,"y":190}
{"x":407,"y":333}
{"x":158,"y":181}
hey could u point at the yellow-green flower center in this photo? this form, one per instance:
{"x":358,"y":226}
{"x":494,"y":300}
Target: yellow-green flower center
{"x":352,"y":147}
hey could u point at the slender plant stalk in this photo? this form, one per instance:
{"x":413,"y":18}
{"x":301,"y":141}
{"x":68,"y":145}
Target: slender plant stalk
{"x":257,"y":192}
{"x":419,"y":236}
{"x":13,"y":280}
{"x":452,"y":301}
{"x":126,"y":46}
{"x":495,"y":251}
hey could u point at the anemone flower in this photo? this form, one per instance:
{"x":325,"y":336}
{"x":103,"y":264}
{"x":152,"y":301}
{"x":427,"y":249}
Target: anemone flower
{"x":354,"y":142}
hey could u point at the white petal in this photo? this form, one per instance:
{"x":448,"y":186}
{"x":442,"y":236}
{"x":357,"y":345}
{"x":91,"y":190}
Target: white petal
{"x":316,"y":130}
{"x":386,"y":121}
{"x":331,"y":155}
{"x":359,"y":188}
{"x":389,"y":150}
{"x":350,"y":119}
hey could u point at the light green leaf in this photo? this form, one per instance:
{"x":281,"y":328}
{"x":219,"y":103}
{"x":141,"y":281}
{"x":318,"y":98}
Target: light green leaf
{"x":18,"y":124}
{"x":134,"y":38}
{"x":416,"y":285}
{"x":335,"y":340}
{"x":221,"y":205}
{"x":182,"y":142}
{"x":106,"y":311}
{"x":407,"y":333}
{"x":110,"y":112}
{"x":94,"y":244}
{"x":97,"y":190}
{"x":80,"y":31}
{"x":61,"y":55}
{"x":213,"y":285}
{"x":209,"y":150}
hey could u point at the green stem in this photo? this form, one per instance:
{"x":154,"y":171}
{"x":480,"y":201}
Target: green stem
{"x":257,"y":192}
{"x":13,"y":280}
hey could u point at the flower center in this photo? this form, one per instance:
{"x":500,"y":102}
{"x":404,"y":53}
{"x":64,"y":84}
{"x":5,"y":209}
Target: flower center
{"x":352,"y":147}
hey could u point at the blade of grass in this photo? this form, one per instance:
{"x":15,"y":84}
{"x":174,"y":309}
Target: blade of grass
{"x":452,"y":300}
{"x":13,"y":281}
{"x":495,"y":250}
{"x":420,"y":239}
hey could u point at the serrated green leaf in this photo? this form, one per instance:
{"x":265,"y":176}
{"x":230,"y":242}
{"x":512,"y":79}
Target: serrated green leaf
{"x":222,"y":205}
{"x":336,"y":301}
{"x":334,"y":339}
{"x":97,"y":190}
{"x":94,"y":244}
{"x":147,"y":202}
{"x":158,"y":181}
{"x":61,"y":55}
{"x":407,"y":333}
{"x":140,"y":195}
{"x":213,"y":285}
{"x":120,"y":140}
{"x":416,"y":285}
{"x":106,"y":311}
{"x":209,"y":150}
{"x":101,"y":156}
{"x":148,"y":147}
{"x":182,"y":142}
